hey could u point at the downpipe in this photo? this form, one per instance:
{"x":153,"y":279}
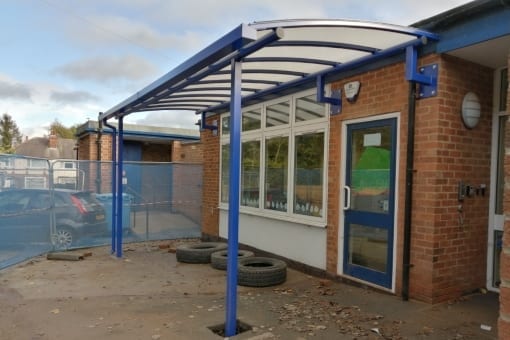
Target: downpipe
{"x":406,"y":258}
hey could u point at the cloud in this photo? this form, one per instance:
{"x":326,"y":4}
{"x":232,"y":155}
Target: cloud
{"x":112,"y":68}
{"x":72,"y":97}
{"x":15,"y":91}
{"x":119,"y":30}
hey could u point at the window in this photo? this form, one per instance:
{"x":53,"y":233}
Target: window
{"x":308,"y":177}
{"x":283,"y":157}
{"x":35,"y":182}
{"x":68,"y":165}
{"x":38,"y":164}
{"x":250,"y":173}
{"x":277,"y":114}
{"x":276,"y":173}
{"x":251,"y":120}
{"x":308,"y":109}
{"x":6,"y":162}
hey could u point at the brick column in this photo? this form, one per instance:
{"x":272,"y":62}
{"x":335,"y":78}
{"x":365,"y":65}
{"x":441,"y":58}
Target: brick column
{"x":211,"y":184}
{"x":504,"y":310}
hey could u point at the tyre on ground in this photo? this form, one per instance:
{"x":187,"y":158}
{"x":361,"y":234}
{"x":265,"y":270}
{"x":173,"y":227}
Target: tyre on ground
{"x":261,"y":272}
{"x":219,"y":259}
{"x":198,"y":252}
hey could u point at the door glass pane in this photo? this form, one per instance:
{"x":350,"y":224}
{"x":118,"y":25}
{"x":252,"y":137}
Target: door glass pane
{"x":368,"y":247}
{"x":500,"y":179}
{"x":308,"y":175}
{"x":251,"y":120}
{"x":276,"y":173}
{"x":277,"y":114}
{"x":370,"y":169}
{"x":250,"y":173}
{"x":307,"y":108}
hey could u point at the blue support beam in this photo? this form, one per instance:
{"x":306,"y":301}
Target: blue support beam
{"x":114,"y":184}
{"x":425,"y":76}
{"x":335,"y":100}
{"x":233,"y":199}
{"x":120,"y":170}
{"x":205,"y":126}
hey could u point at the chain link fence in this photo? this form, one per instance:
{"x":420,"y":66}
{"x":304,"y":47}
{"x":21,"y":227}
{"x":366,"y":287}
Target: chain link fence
{"x":48,"y":205}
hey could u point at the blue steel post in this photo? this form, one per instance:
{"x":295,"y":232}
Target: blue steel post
{"x":114,"y":181}
{"x":118,"y":225}
{"x":233,"y":198}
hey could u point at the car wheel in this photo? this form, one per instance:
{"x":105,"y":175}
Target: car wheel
{"x":261,"y":272}
{"x":198,"y":252}
{"x":63,"y":238}
{"x":219,"y":259}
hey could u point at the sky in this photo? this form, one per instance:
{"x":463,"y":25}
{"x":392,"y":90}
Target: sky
{"x":68,"y":60}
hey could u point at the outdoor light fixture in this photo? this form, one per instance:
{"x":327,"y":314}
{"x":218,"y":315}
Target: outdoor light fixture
{"x":470,"y":110}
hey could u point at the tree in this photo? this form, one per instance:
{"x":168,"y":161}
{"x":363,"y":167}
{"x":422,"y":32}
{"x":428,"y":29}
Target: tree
{"x":9,"y":134}
{"x":62,"y":131}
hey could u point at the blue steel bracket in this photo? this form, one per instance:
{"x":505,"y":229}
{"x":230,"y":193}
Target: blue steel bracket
{"x":335,"y":99}
{"x":205,"y":126}
{"x":425,"y":76}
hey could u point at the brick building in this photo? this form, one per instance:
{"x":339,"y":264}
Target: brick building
{"x":387,"y":168}
{"x":141,"y":143}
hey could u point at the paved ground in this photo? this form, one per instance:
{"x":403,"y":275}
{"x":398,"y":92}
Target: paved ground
{"x":149,"y":295}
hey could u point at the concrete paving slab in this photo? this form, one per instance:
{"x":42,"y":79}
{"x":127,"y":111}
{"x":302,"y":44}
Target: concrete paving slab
{"x":149,"y":295}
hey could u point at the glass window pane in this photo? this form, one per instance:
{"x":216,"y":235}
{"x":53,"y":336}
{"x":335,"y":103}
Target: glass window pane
{"x":276,"y":173}
{"x":368,"y":247}
{"x":250,"y":173}
{"x":251,"y":119}
{"x":225,"y":125}
{"x":307,"y":108}
{"x":277,"y":114}
{"x":370,"y":169}
{"x":308,"y":174}
{"x":225,"y":156}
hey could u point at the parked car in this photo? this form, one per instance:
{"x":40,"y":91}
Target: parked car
{"x":26,"y":214}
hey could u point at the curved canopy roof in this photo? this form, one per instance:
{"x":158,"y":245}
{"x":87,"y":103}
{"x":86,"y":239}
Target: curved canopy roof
{"x":275,"y":55}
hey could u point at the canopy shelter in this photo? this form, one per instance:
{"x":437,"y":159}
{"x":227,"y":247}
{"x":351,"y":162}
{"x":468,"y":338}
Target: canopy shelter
{"x":254,"y":63}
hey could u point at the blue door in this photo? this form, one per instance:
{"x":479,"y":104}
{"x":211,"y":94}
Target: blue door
{"x":369,"y":204}
{"x":133,"y":157}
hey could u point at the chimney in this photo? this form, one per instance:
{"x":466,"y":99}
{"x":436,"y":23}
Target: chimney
{"x":52,"y":140}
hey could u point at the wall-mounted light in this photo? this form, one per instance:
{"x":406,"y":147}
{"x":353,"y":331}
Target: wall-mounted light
{"x":470,"y":110}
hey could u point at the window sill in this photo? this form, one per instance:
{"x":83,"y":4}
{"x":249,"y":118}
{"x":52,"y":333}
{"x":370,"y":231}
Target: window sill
{"x":298,"y":219}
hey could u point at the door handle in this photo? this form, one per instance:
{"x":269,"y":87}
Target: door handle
{"x":347,"y":196}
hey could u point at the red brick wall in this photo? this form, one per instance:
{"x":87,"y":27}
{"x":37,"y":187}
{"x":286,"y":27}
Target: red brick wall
{"x":157,"y":152}
{"x":190,"y":152}
{"x":447,"y":259}
{"x":446,"y":153}
{"x":504,"y":298}
{"x":210,"y":188}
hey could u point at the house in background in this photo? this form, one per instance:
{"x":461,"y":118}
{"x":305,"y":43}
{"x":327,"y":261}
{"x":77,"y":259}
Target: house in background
{"x":33,"y":161}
